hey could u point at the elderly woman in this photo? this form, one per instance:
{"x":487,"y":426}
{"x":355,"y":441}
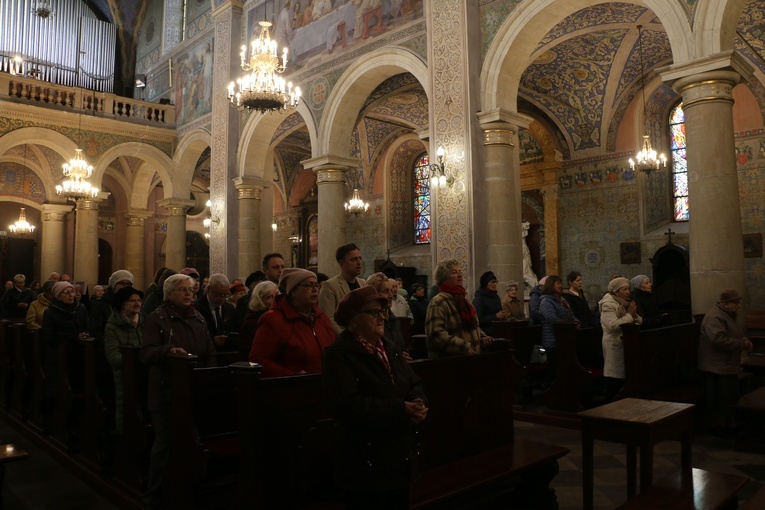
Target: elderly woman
{"x":616,"y":309}
{"x":122,"y":329}
{"x":385,"y":287}
{"x":487,"y":303}
{"x":574,"y":296}
{"x":451,"y":324}
{"x":642,"y":294}
{"x":511,"y":305}
{"x":262,"y":298}
{"x":554,"y":310}
{"x":293,"y":334}
{"x":377,"y":400}
{"x":175,"y":327}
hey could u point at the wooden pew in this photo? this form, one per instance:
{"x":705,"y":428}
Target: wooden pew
{"x":33,"y":378}
{"x":756,"y":502}
{"x":10,"y":362}
{"x":523,"y":339}
{"x":578,"y":367}
{"x":661,"y":363}
{"x":134,"y":445}
{"x":467,"y":448}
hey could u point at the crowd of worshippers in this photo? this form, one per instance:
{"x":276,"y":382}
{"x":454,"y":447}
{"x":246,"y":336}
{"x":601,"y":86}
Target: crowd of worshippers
{"x":296,"y":321}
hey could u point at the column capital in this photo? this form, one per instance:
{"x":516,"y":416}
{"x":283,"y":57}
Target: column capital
{"x":503,"y":119}
{"x":88,"y":204}
{"x":137,"y":217}
{"x":249,"y":187}
{"x":176,"y":206}
{"x":727,"y":66}
{"x":55,"y":212}
{"x":330,"y":161}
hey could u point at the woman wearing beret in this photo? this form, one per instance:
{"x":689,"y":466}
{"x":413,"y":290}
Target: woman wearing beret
{"x":377,"y":401}
{"x":293,"y":334}
{"x":487,"y":303}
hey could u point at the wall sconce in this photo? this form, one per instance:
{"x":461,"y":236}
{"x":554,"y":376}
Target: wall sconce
{"x":294,"y":239}
{"x":207,"y":222}
{"x":438,"y":174}
{"x":274,"y":226}
{"x":356,"y":205}
{"x":140,"y":81}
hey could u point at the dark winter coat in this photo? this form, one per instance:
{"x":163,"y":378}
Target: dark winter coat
{"x":487,"y":305}
{"x":419,"y":308}
{"x":534,"y":296}
{"x":552,"y":312}
{"x":648,"y":309}
{"x":581,"y":309}
{"x":120,"y":332}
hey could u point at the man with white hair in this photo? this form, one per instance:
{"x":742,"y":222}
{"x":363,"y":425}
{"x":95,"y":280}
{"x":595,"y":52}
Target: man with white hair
{"x":54,"y":276}
{"x":17,"y":299}
{"x":212,"y":305}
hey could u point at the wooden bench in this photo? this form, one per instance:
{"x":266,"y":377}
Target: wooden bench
{"x":467,"y":447}
{"x":134,"y":445}
{"x":662,"y":363}
{"x":750,"y":417}
{"x":577,"y":369}
{"x":523,"y":339}
{"x":756,"y":502}
{"x":9,"y":453}
{"x":697,"y":490}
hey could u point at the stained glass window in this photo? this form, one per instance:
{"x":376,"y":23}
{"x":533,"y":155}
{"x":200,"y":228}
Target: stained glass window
{"x":679,"y":163}
{"x":421,"y":197}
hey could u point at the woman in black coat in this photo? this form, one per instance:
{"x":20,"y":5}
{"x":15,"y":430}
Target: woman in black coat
{"x":487,"y":303}
{"x":377,"y":401}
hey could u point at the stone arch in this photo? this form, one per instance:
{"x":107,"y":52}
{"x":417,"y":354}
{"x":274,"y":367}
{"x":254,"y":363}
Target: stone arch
{"x":159,"y":163}
{"x":352,"y":90}
{"x":186,"y":156}
{"x":47,"y":138}
{"x":714,"y":26}
{"x":519,"y":35}
{"x":255,"y":155}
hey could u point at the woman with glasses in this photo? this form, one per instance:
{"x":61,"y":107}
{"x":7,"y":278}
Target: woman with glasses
{"x":377,"y":401}
{"x":293,"y":334}
{"x":385,"y":287}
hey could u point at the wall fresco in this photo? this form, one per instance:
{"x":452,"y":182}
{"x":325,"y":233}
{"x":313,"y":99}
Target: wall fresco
{"x":192,"y":92}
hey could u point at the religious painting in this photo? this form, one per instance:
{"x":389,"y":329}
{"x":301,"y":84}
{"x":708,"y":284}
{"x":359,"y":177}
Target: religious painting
{"x":752,"y":245}
{"x":528,"y":148}
{"x":630,"y":252}
{"x":193,"y":84}
{"x":314,"y":30}
{"x":312,"y":231}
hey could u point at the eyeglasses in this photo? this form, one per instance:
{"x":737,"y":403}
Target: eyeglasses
{"x":124,"y":283}
{"x":313,"y":285}
{"x":377,"y":312}
{"x":68,"y":292}
{"x":184,"y":290}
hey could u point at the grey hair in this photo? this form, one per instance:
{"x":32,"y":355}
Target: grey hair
{"x":443,"y":268}
{"x":19,"y":278}
{"x":172,"y":282}
{"x":256,"y":303}
{"x":219,"y":279}
{"x":377,"y":280}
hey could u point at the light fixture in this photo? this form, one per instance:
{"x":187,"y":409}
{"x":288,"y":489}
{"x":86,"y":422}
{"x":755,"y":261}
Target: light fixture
{"x":438,"y":174}
{"x":356,"y":205}
{"x":22,"y":226}
{"x":647,"y":159}
{"x":274,"y":226}
{"x":140,"y":81}
{"x":261,"y":88}
{"x":43,"y":9}
{"x":209,"y":220}
{"x":75,"y":185}
{"x":294,"y":239}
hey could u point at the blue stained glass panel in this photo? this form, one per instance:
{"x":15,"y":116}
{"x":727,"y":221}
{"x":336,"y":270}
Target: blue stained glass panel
{"x":681,"y":184}
{"x":421,"y":200}
{"x":679,"y":163}
{"x":681,"y":209}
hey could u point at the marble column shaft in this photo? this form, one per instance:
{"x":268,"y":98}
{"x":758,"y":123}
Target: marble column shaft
{"x":331,"y":188}
{"x":249,"y":225}
{"x":135,"y":246}
{"x":86,"y":242}
{"x":53,"y":238}
{"x":715,"y":235}
{"x":175,"y":243}
{"x":503,"y":202}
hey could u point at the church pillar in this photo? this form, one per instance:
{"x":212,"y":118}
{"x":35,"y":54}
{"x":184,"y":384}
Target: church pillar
{"x":503,"y":195}
{"x":249,"y":191}
{"x":552,"y":248}
{"x":715,"y":235}
{"x":330,"y":181}
{"x":86,"y":241}
{"x":135,"y":245}
{"x":175,"y":243}
{"x":224,"y":247}
{"x":53,"y":251}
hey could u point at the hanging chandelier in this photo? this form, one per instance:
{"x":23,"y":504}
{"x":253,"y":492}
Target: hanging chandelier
{"x":356,"y":205}
{"x":22,"y":226}
{"x":647,"y":159}
{"x":261,"y":88}
{"x":76,"y":186}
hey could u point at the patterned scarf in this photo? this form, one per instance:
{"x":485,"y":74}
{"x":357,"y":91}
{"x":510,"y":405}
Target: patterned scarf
{"x":467,"y":312}
{"x":378,"y":351}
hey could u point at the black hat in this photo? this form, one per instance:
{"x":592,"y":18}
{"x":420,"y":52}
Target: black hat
{"x":486,"y":278}
{"x":123,"y":295}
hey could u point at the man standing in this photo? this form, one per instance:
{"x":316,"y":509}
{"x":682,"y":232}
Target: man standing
{"x":212,"y":305}
{"x":334,"y":289}
{"x":720,"y":346}
{"x":54,"y":276}
{"x":273,"y":265}
{"x":17,"y":299}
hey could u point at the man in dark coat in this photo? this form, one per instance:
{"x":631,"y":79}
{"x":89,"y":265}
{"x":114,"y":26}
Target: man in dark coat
{"x":17,"y":299}
{"x":212,"y":305}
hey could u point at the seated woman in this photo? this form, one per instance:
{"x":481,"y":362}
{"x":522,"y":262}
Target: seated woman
{"x":554,"y":310}
{"x":574,"y":295}
{"x":511,"y":305}
{"x":451,"y":324}
{"x":377,"y":400}
{"x":122,"y":329}
{"x":293,"y":334}
{"x":385,"y":288}
{"x":615,"y":310}
{"x":487,"y":303}
{"x":260,"y":301}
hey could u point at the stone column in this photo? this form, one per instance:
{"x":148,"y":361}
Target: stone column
{"x":503,"y":194}
{"x":715,"y":237}
{"x":53,"y":251}
{"x":249,"y":191}
{"x":224,"y":247}
{"x":135,"y":245}
{"x":552,"y":248}
{"x":86,"y":241}
{"x":330,"y":181}
{"x":175,"y":243}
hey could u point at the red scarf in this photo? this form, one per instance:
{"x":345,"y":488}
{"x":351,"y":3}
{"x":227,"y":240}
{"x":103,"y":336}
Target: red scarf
{"x":467,"y":312}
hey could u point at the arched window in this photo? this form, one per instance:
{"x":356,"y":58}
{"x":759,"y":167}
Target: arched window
{"x":421,"y":200}
{"x":679,"y":163}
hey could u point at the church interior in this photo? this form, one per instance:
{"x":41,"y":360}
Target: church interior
{"x":629,"y":135}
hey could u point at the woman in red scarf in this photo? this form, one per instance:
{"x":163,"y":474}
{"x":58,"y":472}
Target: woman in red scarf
{"x":451,"y":324}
